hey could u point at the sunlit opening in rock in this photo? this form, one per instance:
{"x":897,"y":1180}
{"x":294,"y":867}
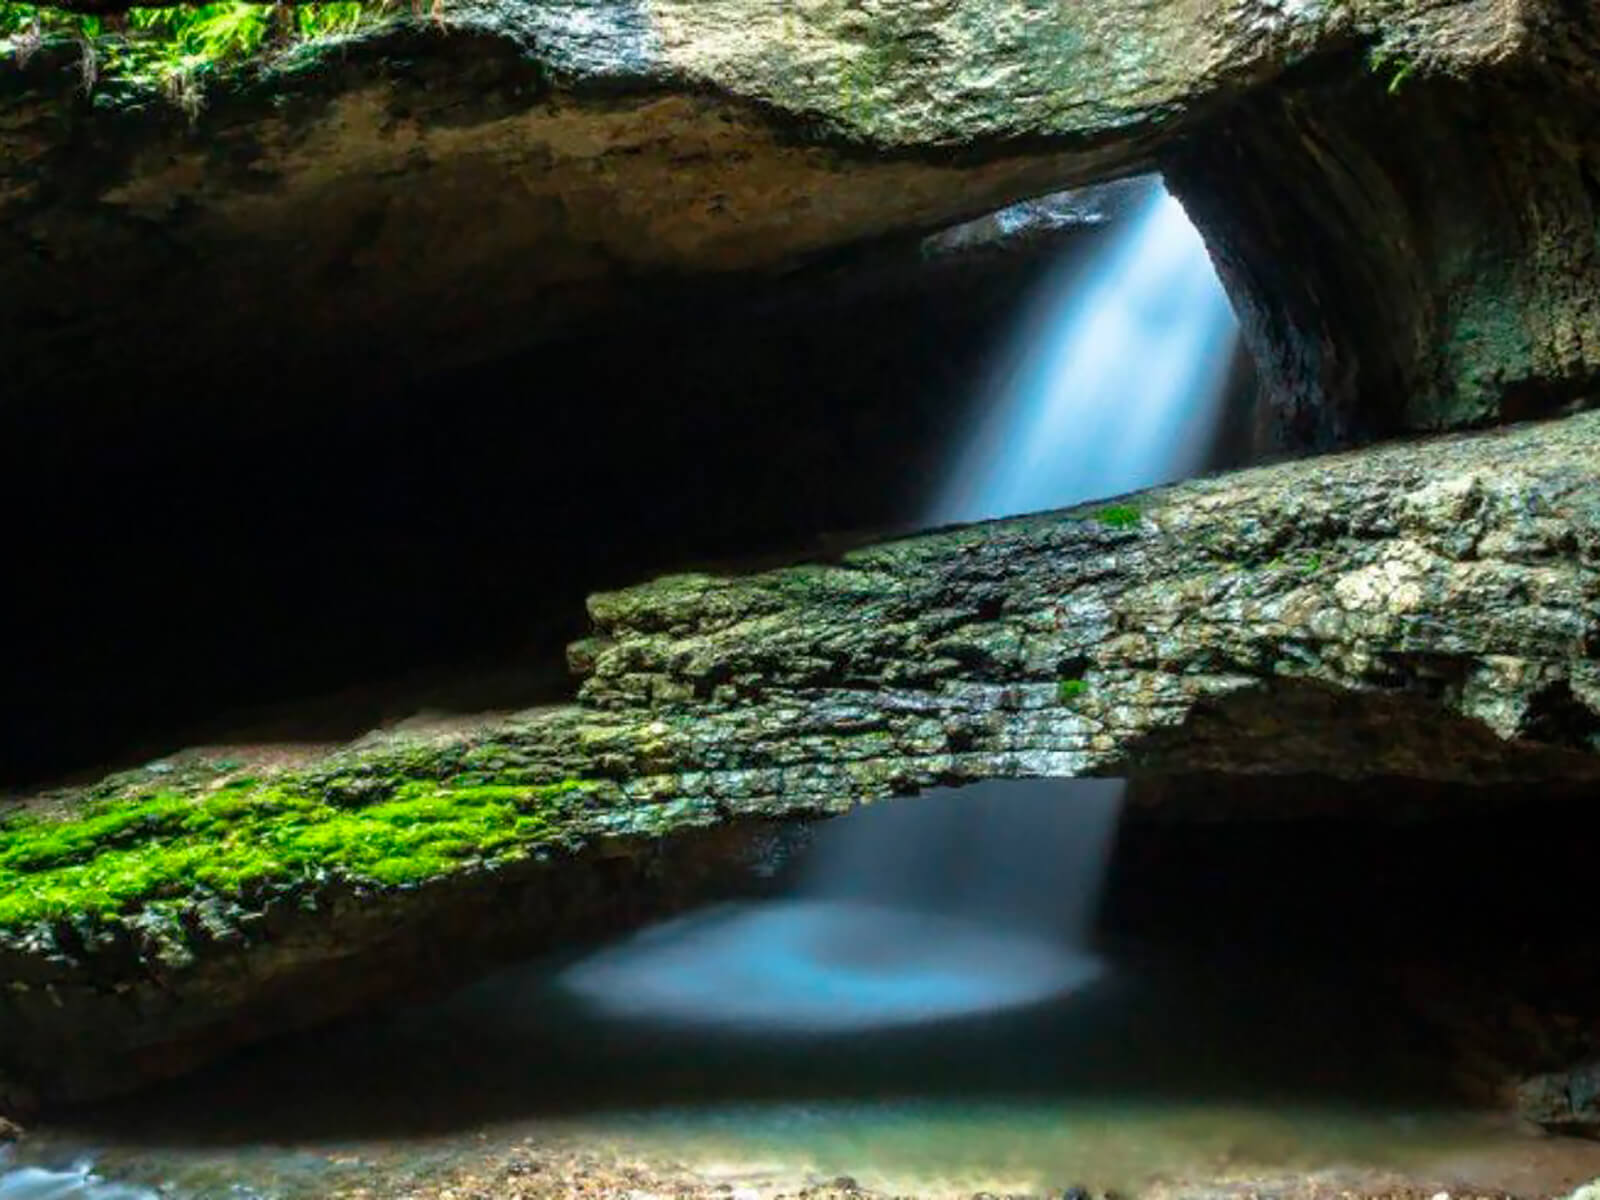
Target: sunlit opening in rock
{"x":1114,"y":382}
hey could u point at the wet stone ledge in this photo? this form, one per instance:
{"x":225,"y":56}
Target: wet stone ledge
{"x":1424,"y":610}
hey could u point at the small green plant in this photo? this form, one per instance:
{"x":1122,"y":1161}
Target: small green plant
{"x":1311,"y":564}
{"x":1118,"y":516}
{"x":1392,"y":66}
{"x":1069,"y":691}
{"x":176,"y":49}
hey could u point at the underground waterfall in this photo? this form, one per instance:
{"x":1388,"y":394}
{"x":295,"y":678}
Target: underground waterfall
{"x":962,"y":903}
{"x":1009,"y":987}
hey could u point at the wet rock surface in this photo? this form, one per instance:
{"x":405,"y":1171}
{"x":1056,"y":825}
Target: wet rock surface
{"x":1440,"y":594}
{"x":1567,"y":1101}
{"x":1423,"y":610}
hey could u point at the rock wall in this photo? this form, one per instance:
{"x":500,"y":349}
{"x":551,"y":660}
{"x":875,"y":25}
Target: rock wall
{"x":415,"y":197}
{"x":1409,"y":247}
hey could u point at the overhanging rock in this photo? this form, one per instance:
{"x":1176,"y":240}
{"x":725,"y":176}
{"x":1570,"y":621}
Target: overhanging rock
{"x":1426,"y":610}
{"x":415,"y":197}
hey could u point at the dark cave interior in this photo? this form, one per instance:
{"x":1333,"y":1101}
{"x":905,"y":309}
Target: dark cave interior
{"x":432,"y":546}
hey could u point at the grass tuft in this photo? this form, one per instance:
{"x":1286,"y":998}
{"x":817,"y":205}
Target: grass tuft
{"x":177,"y":49}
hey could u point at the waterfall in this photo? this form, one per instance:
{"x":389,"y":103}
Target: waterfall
{"x":981,"y":898}
{"x":954,"y":903}
{"x":1114,"y":382}
{"x":972,"y":900}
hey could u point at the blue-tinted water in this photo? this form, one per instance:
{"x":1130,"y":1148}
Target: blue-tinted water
{"x":1113,"y":382}
{"x":955,"y":903}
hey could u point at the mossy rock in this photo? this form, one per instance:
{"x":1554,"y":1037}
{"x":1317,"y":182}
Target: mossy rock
{"x":247,"y":839}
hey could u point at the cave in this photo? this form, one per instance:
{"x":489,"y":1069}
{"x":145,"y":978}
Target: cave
{"x":483,"y":559}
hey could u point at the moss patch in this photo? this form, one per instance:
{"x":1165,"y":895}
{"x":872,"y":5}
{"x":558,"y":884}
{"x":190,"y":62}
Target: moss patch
{"x":1118,"y":516}
{"x":1069,"y":691}
{"x":246,"y":838}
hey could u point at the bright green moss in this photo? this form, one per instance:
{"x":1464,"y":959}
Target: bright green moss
{"x":117,"y":855}
{"x":1118,"y":516}
{"x":1070,"y":690}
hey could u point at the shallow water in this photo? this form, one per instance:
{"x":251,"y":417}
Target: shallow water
{"x":1165,"y":1068}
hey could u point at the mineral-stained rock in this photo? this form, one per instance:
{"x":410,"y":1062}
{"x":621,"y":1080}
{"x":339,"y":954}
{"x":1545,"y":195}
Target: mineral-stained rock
{"x":1426,"y":610}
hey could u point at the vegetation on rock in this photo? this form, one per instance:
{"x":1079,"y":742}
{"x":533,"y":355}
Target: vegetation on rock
{"x":1118,"y":516}
{"x":1069,"y":690}
{"x":247,"y":837}
{"x":176,"y":49}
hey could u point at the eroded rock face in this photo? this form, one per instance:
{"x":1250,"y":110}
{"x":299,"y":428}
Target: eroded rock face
{"x":1414,"y":251}
{"x":1427,"y":610}
{"x":1566,"y":1101}
{"x":1423,"y":610}
{"x":539,"y":164}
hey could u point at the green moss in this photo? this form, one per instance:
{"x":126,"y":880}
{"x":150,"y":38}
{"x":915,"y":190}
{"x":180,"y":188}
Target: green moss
{"x":117,"y":855}
{"x":1118,"y":516}
{"x":1069,"y":691}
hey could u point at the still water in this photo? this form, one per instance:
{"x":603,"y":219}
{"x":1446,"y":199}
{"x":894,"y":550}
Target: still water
{"x":1170,"y":1066}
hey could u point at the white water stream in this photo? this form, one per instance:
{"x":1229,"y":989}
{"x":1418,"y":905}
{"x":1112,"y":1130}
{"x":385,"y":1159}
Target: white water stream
{"x":978,"y":900}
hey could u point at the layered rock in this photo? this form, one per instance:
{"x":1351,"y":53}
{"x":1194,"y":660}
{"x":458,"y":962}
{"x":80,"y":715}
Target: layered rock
{"x":1424,"y":610}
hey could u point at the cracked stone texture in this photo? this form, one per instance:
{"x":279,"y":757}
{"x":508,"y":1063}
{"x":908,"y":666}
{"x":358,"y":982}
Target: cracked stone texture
{"x":537,"y":165}
{"x":1425,"y":610}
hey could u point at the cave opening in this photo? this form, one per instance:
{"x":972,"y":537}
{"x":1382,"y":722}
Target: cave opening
{"x":524,"y":608}
{"x":301,"y":563}
{"x":1252,"y":995}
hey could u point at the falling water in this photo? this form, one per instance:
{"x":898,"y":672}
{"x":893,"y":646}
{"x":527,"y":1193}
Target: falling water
{"x":958,"y":902}
{"x":981,"y":899}
{"x":967,"y":901}
{"x":1115,"y":380}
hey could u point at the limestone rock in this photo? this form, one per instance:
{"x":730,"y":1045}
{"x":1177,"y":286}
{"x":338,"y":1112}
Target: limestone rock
{"x":537,"y":164}
{"x":1425,"y":610}
{"x":1564,"y":1101}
